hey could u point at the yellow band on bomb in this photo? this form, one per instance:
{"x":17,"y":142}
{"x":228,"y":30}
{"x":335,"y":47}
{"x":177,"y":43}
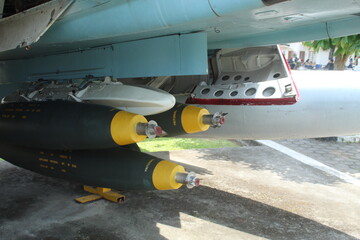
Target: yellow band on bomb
{"x":164,"y":175}
{"x":123,"y":128}
{"x":192,"y":121}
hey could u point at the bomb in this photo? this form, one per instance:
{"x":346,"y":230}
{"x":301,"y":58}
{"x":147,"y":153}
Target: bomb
{"x":116,"y":168}
{"x":184,"y":119}
{"x":71,"y":125}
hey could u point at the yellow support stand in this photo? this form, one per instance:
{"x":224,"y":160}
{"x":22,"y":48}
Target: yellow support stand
{"x":99,"y":193}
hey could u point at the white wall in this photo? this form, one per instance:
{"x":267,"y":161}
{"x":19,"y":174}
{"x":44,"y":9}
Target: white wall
{"x":321,"y":57}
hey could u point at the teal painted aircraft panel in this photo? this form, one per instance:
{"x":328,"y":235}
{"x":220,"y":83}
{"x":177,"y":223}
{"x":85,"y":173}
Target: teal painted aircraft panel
{"x":320,"y":30}
{"x":172,"y":55}
{"x":234,"y":23}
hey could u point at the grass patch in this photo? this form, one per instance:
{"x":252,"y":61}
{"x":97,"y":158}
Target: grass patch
{"x":167,"y":144}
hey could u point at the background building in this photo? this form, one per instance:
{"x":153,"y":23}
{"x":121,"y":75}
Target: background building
{"x":304,"y":53}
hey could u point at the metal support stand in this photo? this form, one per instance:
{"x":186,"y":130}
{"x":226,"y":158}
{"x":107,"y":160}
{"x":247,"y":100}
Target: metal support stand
{"x":99,"y":193}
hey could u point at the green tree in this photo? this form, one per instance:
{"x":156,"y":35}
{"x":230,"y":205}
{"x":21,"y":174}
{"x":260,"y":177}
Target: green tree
{"x":341,"y":48}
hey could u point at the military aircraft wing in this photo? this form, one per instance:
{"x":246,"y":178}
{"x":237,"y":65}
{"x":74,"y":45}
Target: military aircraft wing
{"x":26,"y":28}
{"x":227,"y":24}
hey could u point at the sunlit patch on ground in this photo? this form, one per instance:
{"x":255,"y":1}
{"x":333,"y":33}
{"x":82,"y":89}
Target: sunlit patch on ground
{"x":168,"y":144}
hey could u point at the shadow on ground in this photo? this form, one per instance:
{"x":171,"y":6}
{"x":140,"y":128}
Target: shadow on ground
{"x":264,"y":158}
{"x":339,"y":155}
{"x":37,"y":207}
{"x":258,"y":157}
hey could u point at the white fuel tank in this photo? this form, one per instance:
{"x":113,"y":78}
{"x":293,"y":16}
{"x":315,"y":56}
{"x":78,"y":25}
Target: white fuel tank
{"x":137,"y":99}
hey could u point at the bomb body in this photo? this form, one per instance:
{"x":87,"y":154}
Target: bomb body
{"x":68,"y":125}
{"x":117,"y":168}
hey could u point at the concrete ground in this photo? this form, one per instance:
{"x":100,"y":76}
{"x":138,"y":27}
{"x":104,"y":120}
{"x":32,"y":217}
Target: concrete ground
{"x":251,"y":192}
{"x":342,"y":156}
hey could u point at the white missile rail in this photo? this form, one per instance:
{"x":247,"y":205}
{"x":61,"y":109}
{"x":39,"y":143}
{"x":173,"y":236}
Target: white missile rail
{"x":143,"y":100}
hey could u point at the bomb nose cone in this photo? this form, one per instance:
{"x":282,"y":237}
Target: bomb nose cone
{"x":222,"y":119}
{"x":197,"y":182}
{"x":150,"y":129}
{"x":189,"y":179}
{"x":158,"y":131}
{"x":215,"y":120}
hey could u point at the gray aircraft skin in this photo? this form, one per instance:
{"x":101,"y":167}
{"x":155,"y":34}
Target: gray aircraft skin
{"x":328,"y":106}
